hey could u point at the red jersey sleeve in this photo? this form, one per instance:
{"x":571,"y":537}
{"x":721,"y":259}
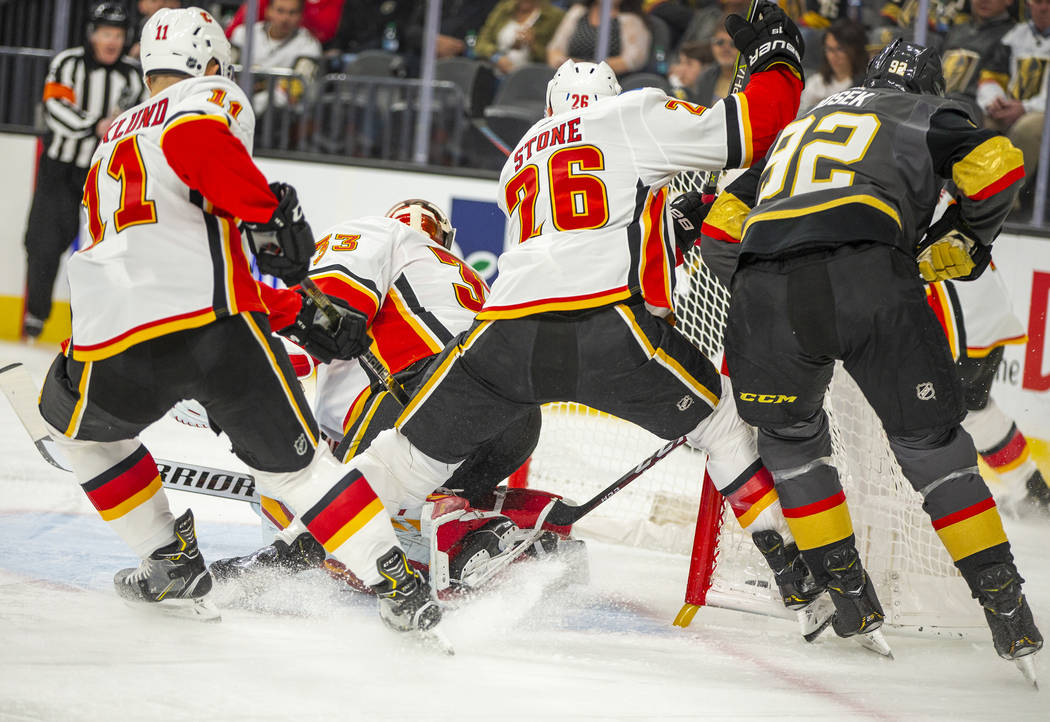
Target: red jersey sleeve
{"x":770,"y":101}
{"x":210,"y":159}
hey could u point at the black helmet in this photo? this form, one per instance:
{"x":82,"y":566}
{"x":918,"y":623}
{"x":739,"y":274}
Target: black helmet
{"x":108,"y":13}
{"x":906,"y":67}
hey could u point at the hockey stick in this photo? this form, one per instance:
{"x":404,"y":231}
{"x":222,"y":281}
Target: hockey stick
{"x":709,"y":178}
{"x":328,"y":309}
{"x":563,"y":514}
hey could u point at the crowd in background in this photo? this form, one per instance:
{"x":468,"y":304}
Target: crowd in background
{"x":996,"y":52}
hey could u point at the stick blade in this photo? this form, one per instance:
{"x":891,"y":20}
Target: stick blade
{"x":21,"y":392}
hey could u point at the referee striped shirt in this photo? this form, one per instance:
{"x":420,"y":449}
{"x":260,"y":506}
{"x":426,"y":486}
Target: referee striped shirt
{"x":78,"y":93}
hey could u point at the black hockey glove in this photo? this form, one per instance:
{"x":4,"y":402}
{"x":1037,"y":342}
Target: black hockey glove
{"x":772,"y":38}
{"x":949,"y":250}
{"x":688,"y":212}
{"x":283,"y":245}
{"x":313,"y":332}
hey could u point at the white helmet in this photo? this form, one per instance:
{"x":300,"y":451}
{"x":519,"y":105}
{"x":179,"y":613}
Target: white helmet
{"x":426,"y":218}
{"x":578,"y":85}
{"x":183,"y":40}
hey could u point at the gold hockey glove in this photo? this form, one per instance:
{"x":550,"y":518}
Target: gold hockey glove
{"x":947,"y":258}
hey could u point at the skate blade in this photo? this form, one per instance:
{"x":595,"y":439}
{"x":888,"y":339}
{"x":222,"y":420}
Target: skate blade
{"x":874,"y":642}
{"x":198,"y":610}
{"x":1027,"y":666}
{"x":814,"y":618}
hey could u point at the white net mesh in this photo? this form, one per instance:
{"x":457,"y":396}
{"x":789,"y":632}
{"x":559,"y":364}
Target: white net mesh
{"x":581,"y":451}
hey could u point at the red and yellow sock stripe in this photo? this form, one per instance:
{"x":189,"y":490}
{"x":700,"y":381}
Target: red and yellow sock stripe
{"x":125,"y":486}
{"x":1008,"y":455}
{"x":343,"y":511}
{"x":753,"y":494}
{"x":970,"y":530}
{"x":823,"y":522}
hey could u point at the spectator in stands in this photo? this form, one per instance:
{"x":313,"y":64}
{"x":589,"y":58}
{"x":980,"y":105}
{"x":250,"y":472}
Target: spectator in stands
{"x":1013,"y":84}
{"x":843,"y":66}
{"x":320,"y":17}
{"x":678,"y":15}
{"x":517,"y":32}
{"x":684,"y":75}
{"x":968,"y":46}
{"x":709,"y":18}
{"x":146,"y":10}
{"x":577,"y":36}
{"x":461,"y":20}
{"x":87,"y":87}
{"x":715,"y":81}
{"x":280,"y":43}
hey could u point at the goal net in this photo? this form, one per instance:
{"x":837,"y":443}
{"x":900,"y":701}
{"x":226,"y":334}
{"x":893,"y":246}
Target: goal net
{"x":581,"y":451}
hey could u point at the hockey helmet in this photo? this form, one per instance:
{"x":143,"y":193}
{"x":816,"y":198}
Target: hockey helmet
{"x":578,"y":85}
{"x":184,"y":40}
{"x":907,"y":67}
{"x":424,"y":217}
{"x":111,"y":14}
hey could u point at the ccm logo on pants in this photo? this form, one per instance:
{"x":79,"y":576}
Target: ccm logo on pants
{"x":768,"y":398}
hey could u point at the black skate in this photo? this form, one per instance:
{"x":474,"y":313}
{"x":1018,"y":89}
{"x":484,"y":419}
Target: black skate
{"x":405,"y":603}
{"x":1009,"y":616}
{"x":303,"y":553}
{"x":857,"y":608}
{"x":798,"y":589}
{"x":174,"y":577}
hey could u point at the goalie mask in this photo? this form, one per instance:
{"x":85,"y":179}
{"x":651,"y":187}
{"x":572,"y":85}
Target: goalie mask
{"x":906,"y":67}
{"x":579,"y":85}
{"x":183,"y":41}
{"x":426,"y":218}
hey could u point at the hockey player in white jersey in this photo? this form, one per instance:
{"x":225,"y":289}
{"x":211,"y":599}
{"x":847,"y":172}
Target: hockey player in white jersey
{"x":579,"y":310}
{"x":165,"y":308}
{"x":417,"y":295}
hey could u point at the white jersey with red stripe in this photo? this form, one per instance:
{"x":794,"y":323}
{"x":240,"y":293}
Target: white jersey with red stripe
{"x":159,"y":257}
{"x":417,"y":295}
{"x":586,"y":200}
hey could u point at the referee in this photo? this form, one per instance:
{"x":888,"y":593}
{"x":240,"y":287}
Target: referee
{"x":86,"y":88}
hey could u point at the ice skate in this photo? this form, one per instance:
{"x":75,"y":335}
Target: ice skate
{"x":303,"y":553}
{"x":857,"y":609}
{"x":173,"y":577}
{"x":797,"y":587}
{"x":1009,"y":617}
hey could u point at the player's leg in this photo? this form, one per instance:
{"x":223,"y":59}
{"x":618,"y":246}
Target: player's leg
{"x":254,"y":396}
{"x":51,"y":227}
{"x":780,"y":347}
{"x":904,"y":367}
{"x":96,"y":410}
{"x":999,"y":442}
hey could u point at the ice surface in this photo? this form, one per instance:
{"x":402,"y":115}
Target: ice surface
{"x":528,"y":650}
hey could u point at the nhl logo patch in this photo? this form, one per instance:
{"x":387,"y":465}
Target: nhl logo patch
{"x":684,"y":403}
{"x":301,"y":445}
{"x":925,"y":391}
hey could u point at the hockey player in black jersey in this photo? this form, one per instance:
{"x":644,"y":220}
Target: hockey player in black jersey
{"x":827,"y":267}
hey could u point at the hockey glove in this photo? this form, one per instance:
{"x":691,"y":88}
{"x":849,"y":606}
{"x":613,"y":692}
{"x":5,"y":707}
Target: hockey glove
{"x":688,"y":212}
{"x":772,"y":38}
{"x":283,"y":245}
{"x":312,"y":331}
{"x":948,"y":250}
